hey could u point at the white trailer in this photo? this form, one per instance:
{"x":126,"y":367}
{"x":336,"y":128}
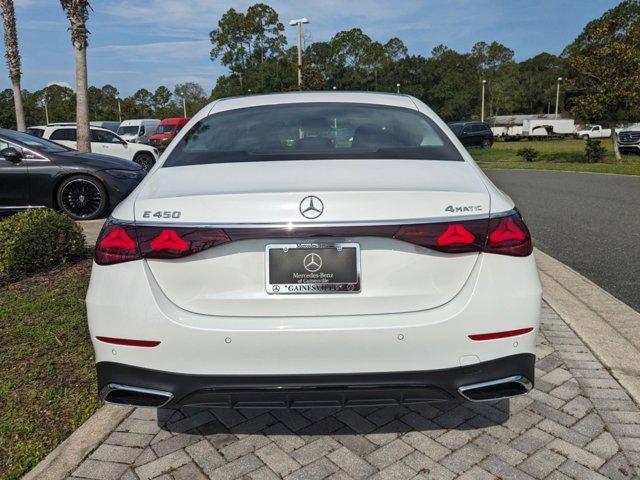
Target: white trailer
{"x":545,"y":127}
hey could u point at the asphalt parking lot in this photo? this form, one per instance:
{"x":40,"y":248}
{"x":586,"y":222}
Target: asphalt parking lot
{"x":578,"y":423}
{"x":590,"y":222}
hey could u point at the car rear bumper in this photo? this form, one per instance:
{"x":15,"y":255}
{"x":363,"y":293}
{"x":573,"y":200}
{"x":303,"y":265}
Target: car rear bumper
{"x":125,"y":384}
{"x":502,"y":294}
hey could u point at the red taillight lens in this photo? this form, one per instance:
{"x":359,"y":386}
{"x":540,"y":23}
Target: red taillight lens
{"x":456,"y":234}
{"x":455,"y":237}
{"x":509,"y":236}
{"x":178,"y":242}
{"x":116,"y":244}
{"x":120,"y":243}
{"x":168,"y":240}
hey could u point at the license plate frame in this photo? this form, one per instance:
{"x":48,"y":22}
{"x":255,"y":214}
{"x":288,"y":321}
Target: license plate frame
{"x":313,"y":285}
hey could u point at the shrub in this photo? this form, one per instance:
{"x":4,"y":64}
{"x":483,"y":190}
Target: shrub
{"x":528,"y":153}
{"x":593,"y":151}
{"x":37,"y":240}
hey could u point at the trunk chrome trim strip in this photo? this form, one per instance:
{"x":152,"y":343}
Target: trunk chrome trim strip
{"x":293,"y":225}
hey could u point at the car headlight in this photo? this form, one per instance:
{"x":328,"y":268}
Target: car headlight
{"x":156,"y":152}
{"x":123,"y":174}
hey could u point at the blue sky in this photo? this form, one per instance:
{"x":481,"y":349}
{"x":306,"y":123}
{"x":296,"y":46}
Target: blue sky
{"x":147,"y":43}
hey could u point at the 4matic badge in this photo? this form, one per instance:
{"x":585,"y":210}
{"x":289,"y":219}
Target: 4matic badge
{"x":462,"y":209}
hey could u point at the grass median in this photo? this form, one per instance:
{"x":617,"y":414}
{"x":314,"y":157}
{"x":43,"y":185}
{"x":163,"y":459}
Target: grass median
{"x":555,"y":155}
{"x":47,"y":387}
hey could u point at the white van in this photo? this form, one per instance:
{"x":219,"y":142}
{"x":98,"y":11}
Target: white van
{"x":139,"y":130}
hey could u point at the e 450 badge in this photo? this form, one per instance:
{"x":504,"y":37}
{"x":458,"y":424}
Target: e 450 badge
{"x":161,"y":214}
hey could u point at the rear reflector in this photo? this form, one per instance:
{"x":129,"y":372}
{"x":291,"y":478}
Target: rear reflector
{"x":506,"y":235}
{"x":496,"y":335}
{"x":128,"y":342}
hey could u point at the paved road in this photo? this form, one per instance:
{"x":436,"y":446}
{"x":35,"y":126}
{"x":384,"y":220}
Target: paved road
{"x":590,"y":222}
{"x":578,"y":423}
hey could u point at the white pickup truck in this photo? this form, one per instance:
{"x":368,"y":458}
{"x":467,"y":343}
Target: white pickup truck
{"x":593,"y":131}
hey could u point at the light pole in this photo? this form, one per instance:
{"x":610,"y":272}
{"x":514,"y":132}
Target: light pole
{"x":184,"y":105}
{"x":397,"y":87}
{"x":46,"y":110}
{"x":558,"y":95}
{"x":119,"y":109}
{"x":299,"y":22}
{"x":484,"y":82}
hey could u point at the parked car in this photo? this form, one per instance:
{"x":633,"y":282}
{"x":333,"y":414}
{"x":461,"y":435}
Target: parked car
{"x":273,"y":267}
{"x":109,"y":125}
{"x":102,"y":141}
{"x":168,"y":129}
{"x":138,"y":131}
{"x":38,"y":173}
{"x":628,"y":140}
{"x":593,"y":131}
{"x":473,"y":134}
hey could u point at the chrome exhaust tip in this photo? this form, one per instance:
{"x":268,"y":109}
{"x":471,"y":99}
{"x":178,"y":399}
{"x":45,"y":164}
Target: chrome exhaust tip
{"x":496,"y":389}
{"x":117,"y":394}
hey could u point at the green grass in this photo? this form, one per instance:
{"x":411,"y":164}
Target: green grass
{"x":554,"y":155}
{"x":47,"y":387}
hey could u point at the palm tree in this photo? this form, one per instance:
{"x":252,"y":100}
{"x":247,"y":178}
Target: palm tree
{"x":78,"y":13}
{"x":13,"y":59}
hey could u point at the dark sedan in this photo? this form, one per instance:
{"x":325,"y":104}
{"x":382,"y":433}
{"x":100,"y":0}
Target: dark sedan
{"x":37,"y":173}
{"x":473,"y":134}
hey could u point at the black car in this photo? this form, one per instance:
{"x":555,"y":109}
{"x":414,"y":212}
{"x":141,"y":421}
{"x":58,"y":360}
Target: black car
{"x":473,"y":134}
{"x":37,"y":173}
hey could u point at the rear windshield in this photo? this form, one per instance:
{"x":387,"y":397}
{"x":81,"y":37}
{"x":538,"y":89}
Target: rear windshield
{"x":128,"y":130}
{"x":312,"y":131}
{"x":166,"y":129}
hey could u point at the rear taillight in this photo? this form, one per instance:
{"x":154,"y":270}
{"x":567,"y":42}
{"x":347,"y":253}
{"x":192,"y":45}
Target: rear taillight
{"x":457,"y":237}
{"x":120,"y":243}
{"x":509,"y":236}
{"x":504,"y":236}
{"x":116,"y":244}
{"x":156,"y":242}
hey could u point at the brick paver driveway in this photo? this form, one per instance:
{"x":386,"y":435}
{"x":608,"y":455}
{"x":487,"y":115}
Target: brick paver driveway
{"x":578,"y":423}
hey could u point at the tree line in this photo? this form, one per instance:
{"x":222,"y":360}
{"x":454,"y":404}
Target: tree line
{"x":600,"y":72}
{"x":60,"y":101}
{"x":599,"y":69}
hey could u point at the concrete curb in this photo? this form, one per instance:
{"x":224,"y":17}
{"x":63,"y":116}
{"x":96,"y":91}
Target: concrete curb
{"x":62,"y":461}
{"x":606,"y":325}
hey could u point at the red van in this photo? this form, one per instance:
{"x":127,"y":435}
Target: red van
{"x":167,"y":130}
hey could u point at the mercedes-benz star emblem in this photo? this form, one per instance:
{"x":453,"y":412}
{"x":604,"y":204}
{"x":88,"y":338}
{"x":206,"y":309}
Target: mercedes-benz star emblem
{"x":312,"y":262}
{"x":311,"y":207}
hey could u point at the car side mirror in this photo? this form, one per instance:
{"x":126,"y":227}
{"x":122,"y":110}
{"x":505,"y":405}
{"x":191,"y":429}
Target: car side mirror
{"x":11,"y":154}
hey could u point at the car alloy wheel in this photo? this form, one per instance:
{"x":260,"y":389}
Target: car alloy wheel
{"x":145,"y":160}
{"x":82,"y":197}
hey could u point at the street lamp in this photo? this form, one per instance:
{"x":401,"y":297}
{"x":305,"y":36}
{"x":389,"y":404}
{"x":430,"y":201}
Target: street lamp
{"x":398,"y":87}
{"x":46,"y":110}
{"x":484,"y":82}
{"x":184,"y":104}
{"x":299,"y":22}
{"x":558,"y":95}
{"x":119,"y":109}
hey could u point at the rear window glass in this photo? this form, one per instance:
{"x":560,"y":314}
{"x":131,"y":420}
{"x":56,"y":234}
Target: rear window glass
{"x":68,"y":134}
{"x":312,"y":131}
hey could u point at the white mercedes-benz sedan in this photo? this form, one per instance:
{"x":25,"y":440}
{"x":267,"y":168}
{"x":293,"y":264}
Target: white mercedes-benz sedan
{"x":314,"y":250}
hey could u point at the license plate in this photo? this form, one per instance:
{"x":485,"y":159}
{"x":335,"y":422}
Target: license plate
{"x":313,"y":268}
